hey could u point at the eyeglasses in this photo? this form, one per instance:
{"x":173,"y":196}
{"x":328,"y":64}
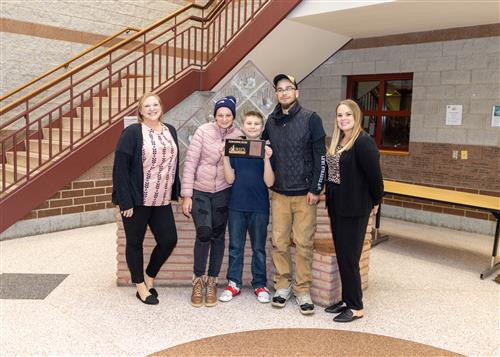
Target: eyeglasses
{"x":285,"y":90}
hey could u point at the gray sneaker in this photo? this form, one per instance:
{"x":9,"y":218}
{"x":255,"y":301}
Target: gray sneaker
{"x":281,"y":296}
{"x":305,"y":304}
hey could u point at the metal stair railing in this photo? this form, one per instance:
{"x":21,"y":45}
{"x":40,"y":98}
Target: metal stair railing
{"x":50,"y":122}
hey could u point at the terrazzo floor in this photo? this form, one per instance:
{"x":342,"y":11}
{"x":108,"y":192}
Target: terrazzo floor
{"x":424,"y":287}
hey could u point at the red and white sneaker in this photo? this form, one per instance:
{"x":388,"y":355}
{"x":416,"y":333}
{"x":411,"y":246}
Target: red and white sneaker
{"x":231,"y":291}
{"x":263,"y":295}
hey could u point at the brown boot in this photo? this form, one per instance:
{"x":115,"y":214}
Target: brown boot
{"x":197,"y":294}
{"x":211,"y":298}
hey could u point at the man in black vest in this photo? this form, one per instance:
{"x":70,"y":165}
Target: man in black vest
{"x":298,"y":141}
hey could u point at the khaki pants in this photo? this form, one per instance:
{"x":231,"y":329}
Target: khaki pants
{"x":293,"y":220}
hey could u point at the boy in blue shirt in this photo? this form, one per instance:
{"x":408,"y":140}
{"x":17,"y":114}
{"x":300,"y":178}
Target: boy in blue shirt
{"x":248,"y":212}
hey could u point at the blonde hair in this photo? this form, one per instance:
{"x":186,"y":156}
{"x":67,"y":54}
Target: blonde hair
{"x":252,"y":113}
{"x":141,"y":102}
{"x":338,"y":135}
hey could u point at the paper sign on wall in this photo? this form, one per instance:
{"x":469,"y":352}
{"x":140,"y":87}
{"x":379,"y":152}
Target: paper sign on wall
{"x":495,"y":116}
{"x":454,"y":114}
{"x":129,"y":120}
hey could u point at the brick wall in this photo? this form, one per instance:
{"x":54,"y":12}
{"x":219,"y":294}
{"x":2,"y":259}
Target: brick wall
{"x":79,"y":196}
{"x":446,"y":71}
{"x":89,"y":192}
{"x":429,"y":164}
{"x":178,"y":270}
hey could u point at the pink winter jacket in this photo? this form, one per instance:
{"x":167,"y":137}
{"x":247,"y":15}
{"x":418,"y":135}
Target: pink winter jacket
{"x":203,"y":166}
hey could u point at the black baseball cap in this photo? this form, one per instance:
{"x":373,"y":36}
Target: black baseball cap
{"x":281,"y":76}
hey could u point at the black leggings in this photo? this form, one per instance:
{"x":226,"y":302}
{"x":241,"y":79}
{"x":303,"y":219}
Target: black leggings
{"x":209,"y":213}
{"x":348,"y":238}
{"x":161,"y":221}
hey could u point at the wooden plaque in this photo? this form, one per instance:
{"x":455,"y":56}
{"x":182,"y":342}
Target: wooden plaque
{"x":245,"y":148}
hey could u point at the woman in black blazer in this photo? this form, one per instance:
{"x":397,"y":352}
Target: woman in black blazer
{"x":145,"y":180}
{"x":354,"y":189}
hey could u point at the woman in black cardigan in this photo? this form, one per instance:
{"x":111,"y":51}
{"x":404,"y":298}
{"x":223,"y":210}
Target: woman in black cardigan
{"x":145,"y":180}
{"x":354,"y":189}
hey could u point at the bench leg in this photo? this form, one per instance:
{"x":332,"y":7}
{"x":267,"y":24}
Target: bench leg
{"x":376,"y":239}
{"x":493,"y":265}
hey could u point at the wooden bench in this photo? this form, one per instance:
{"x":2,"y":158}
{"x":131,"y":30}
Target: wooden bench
{"x":482,"y":202}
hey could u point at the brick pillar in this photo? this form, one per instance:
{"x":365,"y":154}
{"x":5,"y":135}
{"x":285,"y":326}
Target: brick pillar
{"x":178,"y":269}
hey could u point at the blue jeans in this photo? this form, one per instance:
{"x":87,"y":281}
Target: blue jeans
{"x":256,"y":225}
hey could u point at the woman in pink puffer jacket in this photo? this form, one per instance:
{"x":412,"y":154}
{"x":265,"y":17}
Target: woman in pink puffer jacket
{"x":205,"y":194}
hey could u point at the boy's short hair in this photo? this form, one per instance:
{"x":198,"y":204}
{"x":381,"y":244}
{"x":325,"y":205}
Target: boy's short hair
{"x":252,"y":113}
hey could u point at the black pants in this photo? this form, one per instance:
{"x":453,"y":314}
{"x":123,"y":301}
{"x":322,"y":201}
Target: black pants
{"x":161,"y":221}
{"x":209,"y":213}
{"x":348,"y":238}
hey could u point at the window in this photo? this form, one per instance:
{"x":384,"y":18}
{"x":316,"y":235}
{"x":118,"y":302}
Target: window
{"x":385,"y":101}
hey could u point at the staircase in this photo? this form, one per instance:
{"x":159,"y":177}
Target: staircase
{"x":60,"y":130}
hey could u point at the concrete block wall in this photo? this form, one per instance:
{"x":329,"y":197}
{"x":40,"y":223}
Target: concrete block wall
{"x":448,"y":68}
{"x":53,"y":31}
{"x":463,"y":72}
{"x":178,"y":270}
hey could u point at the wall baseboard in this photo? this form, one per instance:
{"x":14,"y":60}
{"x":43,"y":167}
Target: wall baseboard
{"x":30,"y":227}
{"x":459,"y":223}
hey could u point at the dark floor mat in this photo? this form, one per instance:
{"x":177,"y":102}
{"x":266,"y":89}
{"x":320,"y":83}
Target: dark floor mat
{"x":28,"y":286}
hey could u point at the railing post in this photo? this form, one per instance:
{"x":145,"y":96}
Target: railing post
{"x":71,"y":108}
{"x":110,"y":70}
{"x":175,"y":47}
{"x":4,"y":162}
{"x":202,"y":47}
{"x":144,"y":50}
{"x":225,"y":23}
{"x":27,"y":141}
{"x":15,"y":158}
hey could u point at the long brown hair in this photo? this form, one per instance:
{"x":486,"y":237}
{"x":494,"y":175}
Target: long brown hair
{"x":338,"y":135}
{"x":141,"y":102}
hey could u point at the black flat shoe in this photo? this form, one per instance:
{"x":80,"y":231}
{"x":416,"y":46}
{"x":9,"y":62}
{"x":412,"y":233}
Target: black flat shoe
{"x":153,"y":292}
{"x":336,"y":308}
{"x":150,"y":300}
{"x":346,"y":316}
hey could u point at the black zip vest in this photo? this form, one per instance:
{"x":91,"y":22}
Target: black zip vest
{"x":291,"y":141}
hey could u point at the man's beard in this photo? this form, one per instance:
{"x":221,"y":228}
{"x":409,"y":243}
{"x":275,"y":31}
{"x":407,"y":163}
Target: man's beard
{"x":288,"y":105}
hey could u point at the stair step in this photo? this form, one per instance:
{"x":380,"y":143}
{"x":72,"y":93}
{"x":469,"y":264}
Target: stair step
{"x":9,"y":172}
{"x":85,"y":112}
{"x":21,"y":157}
{"x":44,"y":143}
{"x":122,"y":92}
{"x":104,"y":102}
{"x":140,"y":83}
{"x":66,"y":133}
{"x":66,"y":123}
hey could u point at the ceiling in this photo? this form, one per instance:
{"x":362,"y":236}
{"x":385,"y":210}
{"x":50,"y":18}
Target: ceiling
{"x":360,"y":19}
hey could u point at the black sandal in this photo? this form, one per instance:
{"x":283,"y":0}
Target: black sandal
{"x":150,"y":300}
{"x":336,"y":308}
{"x":346,"y":316}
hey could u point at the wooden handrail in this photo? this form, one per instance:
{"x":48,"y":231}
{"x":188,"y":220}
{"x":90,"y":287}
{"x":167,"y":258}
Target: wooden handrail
{"x":102,"y":55}
{"x":67,"y":63}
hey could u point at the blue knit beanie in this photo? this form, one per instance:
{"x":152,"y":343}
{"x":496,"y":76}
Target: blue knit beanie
{"x":227,"y":102}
